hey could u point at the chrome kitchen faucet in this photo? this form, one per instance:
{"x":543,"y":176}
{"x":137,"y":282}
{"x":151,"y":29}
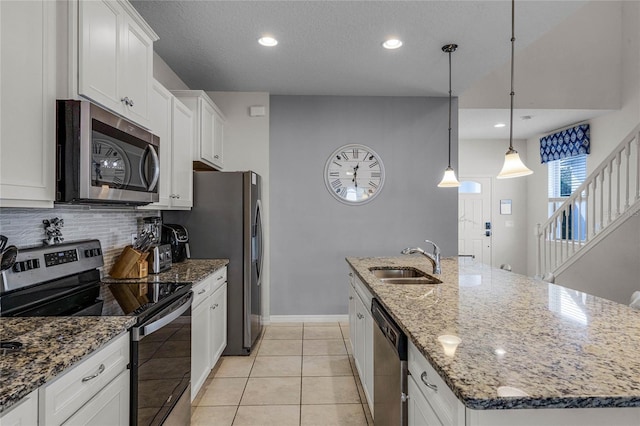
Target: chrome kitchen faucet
{"x":434,"y":258}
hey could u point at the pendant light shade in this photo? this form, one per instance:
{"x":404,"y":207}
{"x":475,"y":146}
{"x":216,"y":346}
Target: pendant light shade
{"x":449,"y":179}
{"x":513,"y":165}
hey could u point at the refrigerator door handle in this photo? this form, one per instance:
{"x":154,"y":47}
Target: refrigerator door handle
{"x":259,"y":237}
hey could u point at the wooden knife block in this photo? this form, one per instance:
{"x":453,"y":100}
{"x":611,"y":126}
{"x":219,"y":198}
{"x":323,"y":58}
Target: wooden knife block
{"x":130,"y":264}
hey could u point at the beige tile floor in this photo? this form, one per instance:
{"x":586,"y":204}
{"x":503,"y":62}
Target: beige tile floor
{"x":299,"y":374}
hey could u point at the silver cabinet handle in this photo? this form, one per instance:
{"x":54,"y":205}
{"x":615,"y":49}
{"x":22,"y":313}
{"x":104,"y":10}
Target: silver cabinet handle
{"x":360,"y":316}
{"x":130,"y":102}
{"x":350,"y":297}
{"x":93,"y":376}
{"x":215,"y":305}
{"x":350,"y":274}
{"x":220,"y":277}
{"x":423,"y":377}
{"x":216,"y":156}
{"x":127,"y":101}
{"x":202,"y":291}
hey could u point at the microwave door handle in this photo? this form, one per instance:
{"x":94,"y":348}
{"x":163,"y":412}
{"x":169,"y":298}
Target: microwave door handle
{"x":156,"y":167}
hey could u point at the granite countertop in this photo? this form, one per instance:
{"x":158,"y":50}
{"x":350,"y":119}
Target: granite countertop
{"x":189,"y":271}
{"x":563,"y":348}
{"x":50,"y":346}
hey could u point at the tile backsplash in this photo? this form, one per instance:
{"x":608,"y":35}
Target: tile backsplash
{"x":113,"y":227}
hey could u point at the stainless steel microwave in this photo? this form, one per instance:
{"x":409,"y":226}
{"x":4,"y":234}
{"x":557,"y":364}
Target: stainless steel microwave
{"x":103,"y":158}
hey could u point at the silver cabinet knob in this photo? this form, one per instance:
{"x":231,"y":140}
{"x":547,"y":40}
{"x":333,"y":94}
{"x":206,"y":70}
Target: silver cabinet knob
{"x":216,"y":156}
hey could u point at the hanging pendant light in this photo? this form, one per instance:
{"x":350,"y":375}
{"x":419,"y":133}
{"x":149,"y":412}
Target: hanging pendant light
{"x":513,"y":165}
{"x":449,"y":179}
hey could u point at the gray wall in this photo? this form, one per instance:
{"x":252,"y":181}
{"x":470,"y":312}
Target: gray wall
{"x":312,"y":233}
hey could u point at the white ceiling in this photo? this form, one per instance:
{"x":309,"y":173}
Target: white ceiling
{"x":334,"y":48}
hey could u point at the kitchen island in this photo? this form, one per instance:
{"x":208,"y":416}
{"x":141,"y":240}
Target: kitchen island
{"x":546,"y":345}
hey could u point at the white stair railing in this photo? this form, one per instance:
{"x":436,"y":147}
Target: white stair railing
{"x":607,"y":197}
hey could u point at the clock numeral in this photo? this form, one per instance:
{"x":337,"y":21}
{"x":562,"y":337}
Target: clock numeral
{"x":337,"y":164}
{"x":342,"y":192}
{"x":334,"y":174}
{"x":371,"y":157}
{"x":356,"y":153}
{"x":109,"y":152}
{"x":117,"y":181}
{"x":97,"y":148}
{"x":372,"y":165}
{"x":344,"y":155}
{"x":373,"y":184}
{"x":336,"y":184}
{"x":375,"y":174}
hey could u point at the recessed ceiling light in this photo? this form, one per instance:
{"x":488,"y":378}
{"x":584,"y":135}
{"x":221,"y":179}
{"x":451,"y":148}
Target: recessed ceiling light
{"x":267,"y":41}
{"x":392,"y":43}
{"x":499,"y":125}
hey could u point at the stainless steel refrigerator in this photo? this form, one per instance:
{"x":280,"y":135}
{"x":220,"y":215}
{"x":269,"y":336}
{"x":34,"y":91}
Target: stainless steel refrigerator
{"x":226,"y":222}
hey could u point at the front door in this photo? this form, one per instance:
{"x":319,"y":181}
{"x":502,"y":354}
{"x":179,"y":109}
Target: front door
{"x":474,"y":218}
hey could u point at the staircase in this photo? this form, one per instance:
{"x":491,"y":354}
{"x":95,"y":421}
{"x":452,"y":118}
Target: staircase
{"x":609,"y":196}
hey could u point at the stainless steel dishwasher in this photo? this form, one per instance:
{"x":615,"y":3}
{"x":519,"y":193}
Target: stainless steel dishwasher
{"x":389,"y":369}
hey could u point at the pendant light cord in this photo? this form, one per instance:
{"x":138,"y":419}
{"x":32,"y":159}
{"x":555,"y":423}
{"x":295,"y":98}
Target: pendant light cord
{"x":450,"y":108}
{"x":513,"y":39}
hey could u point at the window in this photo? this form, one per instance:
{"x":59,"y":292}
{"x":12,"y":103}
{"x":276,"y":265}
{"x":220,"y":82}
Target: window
{"x":565,"y":176}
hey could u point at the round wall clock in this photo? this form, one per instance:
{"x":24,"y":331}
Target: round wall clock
{"x":110,"y":165}
{"x":354,"y":174}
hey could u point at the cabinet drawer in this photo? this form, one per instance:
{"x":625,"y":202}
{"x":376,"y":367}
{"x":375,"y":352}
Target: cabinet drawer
{"x":441,"y":399}
{"x":65,"y":395}
{"x":420,"y":412}
{"x":219,"y":278}
{"x":201,"y":291}
{"x":362,"y":291}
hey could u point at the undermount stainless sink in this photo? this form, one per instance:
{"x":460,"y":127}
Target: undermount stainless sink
{"x":390,"y":275}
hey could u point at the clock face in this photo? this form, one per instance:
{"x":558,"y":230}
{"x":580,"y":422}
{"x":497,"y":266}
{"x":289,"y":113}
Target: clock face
{"x":354,"y":174}
{"x":109,"y":164}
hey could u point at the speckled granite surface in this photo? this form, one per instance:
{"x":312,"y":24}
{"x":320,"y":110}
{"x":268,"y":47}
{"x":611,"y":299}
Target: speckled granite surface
{"x":564,"y":348}
{"x":189,"y":271}
{"x":50,"y":346}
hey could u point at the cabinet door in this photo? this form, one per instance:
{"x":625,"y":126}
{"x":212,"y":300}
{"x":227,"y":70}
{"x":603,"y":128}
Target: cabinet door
{"x":160,"y":125}
{"x":420,"y":412}
{"x":100,"y":23}
{"x":27,"y":99}
{"x":368,"y":357}
{"x":110,"y":406}
{"x":200,"y":346}
{"x":359,"y":344}
{"x":352,"y":317}
{"x":182,"y":168}
{"x":218,"y":323}
{"x":23,"y":414}
{"x":207,"y":132}
{"x":218,"y":141}
{"x":136,"y":72}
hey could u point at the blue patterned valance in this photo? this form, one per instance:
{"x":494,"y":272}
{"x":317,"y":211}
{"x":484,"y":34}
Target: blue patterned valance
{"x":565,"y":144}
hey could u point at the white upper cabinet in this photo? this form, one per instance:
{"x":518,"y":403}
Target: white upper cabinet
{"x":27,"y":103}
{"x":208,"y":126}
{"x":115,"y":58}
{"x":172,"y":122}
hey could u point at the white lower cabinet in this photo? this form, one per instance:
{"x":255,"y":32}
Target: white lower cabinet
{"x":109,"y":407}
{"x":208,"y":327}
{"x":420,"y":412}
{"x":218,"y":316}
{"x":361,"y":334}
{"x":98,"y":384}
{"x":25,"y":413}
{"x":200,"y":338}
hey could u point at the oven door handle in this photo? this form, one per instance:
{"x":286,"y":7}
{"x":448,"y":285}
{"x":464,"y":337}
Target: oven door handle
{"x":139,"y":333}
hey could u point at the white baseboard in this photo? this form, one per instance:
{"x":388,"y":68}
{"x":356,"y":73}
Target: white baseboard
{"x":305,"y":318}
